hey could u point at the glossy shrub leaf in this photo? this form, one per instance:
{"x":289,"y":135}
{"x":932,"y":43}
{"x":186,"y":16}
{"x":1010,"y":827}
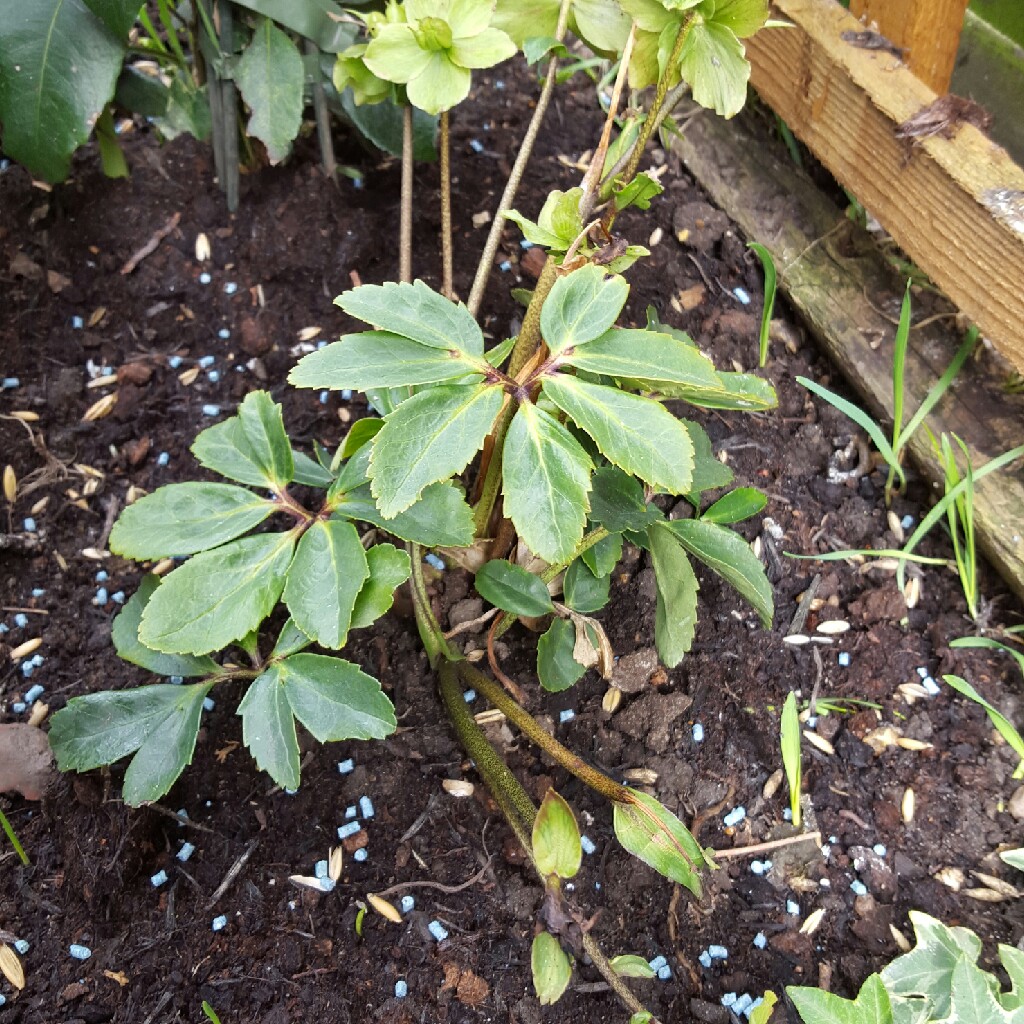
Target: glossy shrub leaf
{"x":224,"y":449}
{"x":645,"y":356}
{"x":125,"y":635}
{"x":708,"y":472}
{"x":219,"y":596}
{"x":729,"y":555}
{"x":735,"y":506}
{"x":262,"y":425}
{"x":360,"y":434}
{"x":441,"y":517}
{"x":584,"y":592}
{"x":117,"y":15}
{"x":268,"y":729}
{"x":556,"y":838}
{"x":639,"y":193}
{"x":324,"y":580}
{"x":334,"y":699}
{"x":676,"y":612}
{"x":714,"y":64}
{"x":513,"y":589}
{"x":320,"y":20}
{"x":816,"y":1006}
{"x":557,"y":669}
{"x":637,"y":434}
{"x":160,"y":722}
{"x":389,"y":569}
{"x":290,"y":640}
{"x":417,"y":312}
{"x":181,"y":519}
{"x":429,"y":438}
{"x":744,"y":392}
{"x":581,"y":307}
{"x":603,"y":556}
{"x":270,"y":77}
{"x":47,"y":111}
{"x":546,"y":476}
{"x":376,"y":359}
{"x":617,"y":501}
{"x":629,"y":965}
{"x":352,"y":474}
{"x":310,"y":472}
{"x":656,"y":836}
{"x":552,"y":971}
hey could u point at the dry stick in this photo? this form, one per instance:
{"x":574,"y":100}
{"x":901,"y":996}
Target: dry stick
{"x":492,"y":658}
{"x":402,"y":886}
{"x":483,"y":270}
{"x":405,"y":228}
{"x":775,"y":844}
{"x":233,"y":872}
{"x":151,"y":246}
{"x":446,"y":209}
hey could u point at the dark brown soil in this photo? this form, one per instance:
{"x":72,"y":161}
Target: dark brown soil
{"x":289,"y":955}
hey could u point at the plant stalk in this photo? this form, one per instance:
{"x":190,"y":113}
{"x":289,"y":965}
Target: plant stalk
{"x":323,"y":119}
{"x":405,"y":224}
{"x":426,"y":621}
{"x":446,"y":209}
{"x":483,"y":270}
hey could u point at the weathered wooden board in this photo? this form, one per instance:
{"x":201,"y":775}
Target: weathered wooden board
{"x":835,"y":276}
{"x":929,"y":30}
{"x":956,"y":206}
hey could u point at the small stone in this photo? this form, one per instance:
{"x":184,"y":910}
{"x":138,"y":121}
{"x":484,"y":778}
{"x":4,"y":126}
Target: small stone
{"x":633,"y":672}
{"x":1015,"y":805}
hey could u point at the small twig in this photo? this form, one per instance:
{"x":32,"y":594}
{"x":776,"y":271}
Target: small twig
{"x":402,"y":886}
{"x":421,"y":820}
{"x":151,"y":246}
{"x":509,"y":684}
{"x":803,"y":609}
{"x":775,"y":844}
{"x":113,"y":507}
{"x":465,"y":627}
{"x":181,"y":819}
{"x":233,"y":872}
{"x":20,"y":543}
{"x":27,"y":611}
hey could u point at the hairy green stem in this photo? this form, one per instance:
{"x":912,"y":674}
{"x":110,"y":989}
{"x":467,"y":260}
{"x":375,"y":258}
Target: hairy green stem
{"x":446,"y":209}
{"x":426,"y":621}
{"x":405,"y":225}
{"x":527,"y":724}
{"x":492,"y":478}
{"x":323,"y":118}
{"x":483,"y":270}
{"x":529,"y":334}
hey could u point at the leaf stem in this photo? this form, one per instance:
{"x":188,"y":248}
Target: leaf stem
{"x":426,"y":621}
{"x":405,"y":226}
{"x":483,"y":270}
{"x":446,"y":209}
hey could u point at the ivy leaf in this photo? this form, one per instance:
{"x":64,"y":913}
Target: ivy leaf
{"x":268,"y":729}
{"x":714,"y":64}
{"x":1013,"y":958}
{"x":389,"y":569}
{"x":161,"y":722}
{"x":513,"y":589}
{"x":603,"y":556}
{"x":676,"y":615}
{"x":324,"y":580}
{"x":270,"y":77}
{"x":653,"y":834}
{"x":263,"y":426}
{"x":557,"y":669}
{"x":729,"y":555}
{"x":428,"y":438}
{"x":125,"y":635}
{"x":637,"y":434}
{"x":376,"y":359}
{"x":585,"y":592}
{"x":645,"y":356}
{"x":816,"y":1006}
{"x":734,"y":507}
{"x":552,"y":971}
{"x":581,"y":306}
{"x":556,"y":838}
{"x":546,"y":476}
{"x":219,"y":596}
{"x":617,"y":501}
{"x":415,"y":311}
{"x":440,"y":519}
{"x":181,"y":519}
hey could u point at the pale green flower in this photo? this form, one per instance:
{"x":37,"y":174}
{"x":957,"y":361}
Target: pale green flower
{"x":434,"y":52}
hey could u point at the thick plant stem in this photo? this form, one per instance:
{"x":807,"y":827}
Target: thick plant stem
{"x":426,"y":621}
{"x":492,"y":474}
{"x":529,"y":334}
{"x":405,"y":228}
{"x":323,"y":119}
{"x":526,"y":724}
{"x":483,"y":270}
{"x":446,"y":209}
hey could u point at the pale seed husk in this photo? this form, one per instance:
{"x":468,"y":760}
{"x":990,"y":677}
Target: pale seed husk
{"x":907,"y":806}
{"x":908,"y":744}
{"x":203,"y":250}
{"x":163,"y":566}
{"x":642,"y":776}
{"x":900,"y":939}
{"x":912,"y":592}
{"x":189,"y":376}
{"x":384,"y":908}
{"x":27,"y":648}
{"x":101,"y":382}
{"x":95,"y":554}
{"x":308,"y":333}
{"x":985,"y":895}
{"x":97,"y":315}
{"x":813,"y":922}
{"x":40,"y":505}
{"x":771,"y":787}
{"x":1009,"y":891}
{"x":10,"y":484}
{"x":457,"y":787}
{"x":834,"y":627}
{"x":895,"y":526}
{"x":100,"y":408}
{"x":950,"y":877}
{"x":796,"y":639}
{"x":25,"y":416}
{"x":489,"y":717}
{"x":11,"y":967}
{"x":92,"y":471}
{"x":39,"y":713}
{"x":611,"y":700}
{"x":334,"y":862}
{"x":820,"y":742}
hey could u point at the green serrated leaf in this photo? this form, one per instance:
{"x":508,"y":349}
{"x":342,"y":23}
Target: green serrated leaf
{"x":376,"y":359}
{"x":441,"y":517}
{"x":125,"y":635}
{"x":816,"y":1006}
{"x":224,"y":449}
{"x":676,"y":615}
{"x":219,"y":596}
{"x":181,"y":519}
{"x":729,"y":555}
{"x":715,"y":66}
{"x":309,"y":472}
{"x":639,"y":193}
{"x":557,"y":669}
{"x":268,"y":729}
{"x":656,"y":836}
{"x":637,"y":434}
{"x":602,"y":557}
{"x":324,"y":580}
{"x":428,"y":438}
{"x":584,"y":592}
{"x":708,"y":472}
{"x":290,"y":640}
{"x":556,"y":838}
{"x":513,"y":589}
{"x":581,"y":306}
{"x":546,"y":476}
{"x":629,"y":965}
{"x":534,"y":233}
{"x":262,"y":424}
{"x":734,"y":507}
{"x":389,"y":569}
{"x":744,"y":392}
{"x":361,"y":433}
{"x":415,"y":311}
{"x":552,"y":971}
{"x":270,"y":76}
{"x":617,"y":501}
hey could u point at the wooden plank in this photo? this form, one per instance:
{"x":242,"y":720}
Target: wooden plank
{"x":836,"y":277}
{"x":929,"y":31}
{"x":956,"y":206}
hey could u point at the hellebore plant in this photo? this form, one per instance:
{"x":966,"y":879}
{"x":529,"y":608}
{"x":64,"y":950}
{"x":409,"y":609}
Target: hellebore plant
{"x":565,"y":431}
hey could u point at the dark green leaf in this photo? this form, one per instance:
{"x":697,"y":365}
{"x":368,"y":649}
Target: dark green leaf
{"x":361,"y":432}
{"x":512,"y":589}
{"x":141,"y":94}
{"x":320,"y":20}
{"x":546,"y":476}
{"x":219,"y":596}
{"x":552,"y":971}
{"x":352,"y":475}
{"x":310,"y":472}
{"x":117,"y":15}
{"x":376,"y":359}
{"x":125,"y":635}
{"x":263,"y":427}
{"x":290,"y":641}
{"x":557,"y":669}
{"x":639,"y":193}
{"x":585,"y":592}
{"x":441,"y":517}
{"x":736,"y":506}
{"x":603,"y":556}
{"x":381,"y":124}
{"x":181,"y":519}
{"x":389,"y":569}
{"x":323,"y":581}
{"x":729,"y":555}
{"x":617,"y":501}
{"x":676,"y":615}
{"x":268,"y":729}
{"x":581,"y":307}
{"x":556,"y":838}
{"x":708,"y":472}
